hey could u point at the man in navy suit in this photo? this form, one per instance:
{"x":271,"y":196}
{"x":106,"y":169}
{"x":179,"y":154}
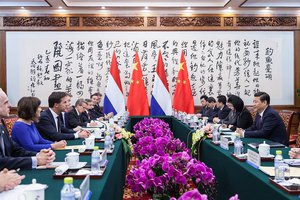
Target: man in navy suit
{"x":212,"y":110}
{"x":223,"y":111}
{"x":268,"y":124}
{"x":75,"y":115}
{"x":50,"y":124}
{"x":204,"y":103}
{"x":12,"y":156}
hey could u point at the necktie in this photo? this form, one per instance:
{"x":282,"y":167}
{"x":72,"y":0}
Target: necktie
{"x":2,"y":142}
{"x":58,"y":124}
{"x":260,"y":124}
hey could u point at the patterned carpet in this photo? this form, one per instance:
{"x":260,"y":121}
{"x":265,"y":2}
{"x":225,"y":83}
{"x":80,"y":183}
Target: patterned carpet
{"x":128,"y":195}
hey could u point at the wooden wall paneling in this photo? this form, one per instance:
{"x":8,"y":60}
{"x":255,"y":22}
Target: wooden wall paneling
{"x":297,"y":66}
{"x":3,"y":60}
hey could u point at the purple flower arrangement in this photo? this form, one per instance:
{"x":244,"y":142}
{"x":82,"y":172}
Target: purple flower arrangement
{"x":167,"y":167}
{"x":152,"y":127}
{"x":149,"y":146}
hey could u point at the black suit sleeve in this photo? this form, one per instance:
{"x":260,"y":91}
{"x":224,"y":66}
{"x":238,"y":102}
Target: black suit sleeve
{"x":48,"y":129}
{"x":269,"y":122}
{"x":74,"y":120}
{"x":15,"y":156}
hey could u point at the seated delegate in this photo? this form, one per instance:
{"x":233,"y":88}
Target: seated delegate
{"x":24,"y":131}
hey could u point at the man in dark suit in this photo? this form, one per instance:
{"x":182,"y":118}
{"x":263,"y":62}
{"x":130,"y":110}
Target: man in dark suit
{"x":223,"y":111}
{"x":203,"y":101}
{"x":212,"y":110}
{"x":50,"y":124}
{"x":268,"y":124}
{"x":12,"y":156}
{"x":96,"y":110}
{"x":75,"y":115}
{"x":86,"y":116}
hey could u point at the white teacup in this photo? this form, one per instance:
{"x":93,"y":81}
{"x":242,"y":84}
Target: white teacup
{"x":72,"y":159}
{"x":89,"y":142}
{"x":34,"y":191}
{"x":264,"y":149}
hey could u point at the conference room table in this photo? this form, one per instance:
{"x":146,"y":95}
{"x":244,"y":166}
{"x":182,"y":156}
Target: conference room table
{"x":108,"y":187}
{"x":233,"y":176}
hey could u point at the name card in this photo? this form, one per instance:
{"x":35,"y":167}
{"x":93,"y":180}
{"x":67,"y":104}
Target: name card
{"x":253,"y":158}
{"x":224,"y":143}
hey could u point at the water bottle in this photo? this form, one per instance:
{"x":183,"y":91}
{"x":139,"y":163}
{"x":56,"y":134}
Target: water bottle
{"x":216,"y":134}
{"x":111,"y":130}
{"x":67,"y":192}
{"x":95,"y":164}
{"x":238,"y":146}
{"x":107,"y":141}
{"x":278,"y":161}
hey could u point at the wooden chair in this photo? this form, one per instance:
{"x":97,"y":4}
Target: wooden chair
{"x":298,"y":137}
{"x":9,"y":122}
{"x":252,"y":112}
{"x":287,"y":117}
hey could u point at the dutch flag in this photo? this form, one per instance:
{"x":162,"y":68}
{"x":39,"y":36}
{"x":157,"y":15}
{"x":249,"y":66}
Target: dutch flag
{"x":161,"y":100}
{"x":114,"y":99}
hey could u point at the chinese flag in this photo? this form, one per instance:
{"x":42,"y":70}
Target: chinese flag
{"x":183,"y":99}
{"x":137,"y":102}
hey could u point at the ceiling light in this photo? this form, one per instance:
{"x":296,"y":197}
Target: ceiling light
{"x":189,"y":8}
{"x":229,"y":7}
{"x":103,"y":7}
{"x":267,"y":7}
{"x":59,"y":7}
{"x":22,"y":7}
{"x":146,"y":7}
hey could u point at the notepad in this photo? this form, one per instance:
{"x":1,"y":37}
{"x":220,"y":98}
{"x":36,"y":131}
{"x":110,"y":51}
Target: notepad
{"x":294,"y":171}
{"x":272,"y":144}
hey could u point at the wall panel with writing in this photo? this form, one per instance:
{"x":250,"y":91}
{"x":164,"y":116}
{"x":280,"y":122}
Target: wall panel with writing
{"x":219,"y":62}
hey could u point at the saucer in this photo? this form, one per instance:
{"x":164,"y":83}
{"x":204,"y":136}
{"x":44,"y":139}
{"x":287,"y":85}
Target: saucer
{"x":78,"y":166}
{"x":268,"y":156}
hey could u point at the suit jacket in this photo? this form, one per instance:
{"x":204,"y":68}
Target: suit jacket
{"x":211,"y":113}
{"x":15,"y":156}
{"x":244,"y":120}
{"x":47,"y":128}
{"x":74,"y":119}
{"x":272,"y":127}
{"x":203,"y":110}
{"x":222,"y":114}
{"x":97,"y":111}
{"x":85,"y":117}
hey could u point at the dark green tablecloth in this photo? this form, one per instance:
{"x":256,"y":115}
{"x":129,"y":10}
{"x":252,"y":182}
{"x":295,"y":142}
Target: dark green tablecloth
{"x":235,"y":177}
{"x":109,"y":187}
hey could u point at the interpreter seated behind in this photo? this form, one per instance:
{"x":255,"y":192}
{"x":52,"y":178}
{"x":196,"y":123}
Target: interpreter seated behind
{"x":24,"y":131}
{"x":268,"y":124}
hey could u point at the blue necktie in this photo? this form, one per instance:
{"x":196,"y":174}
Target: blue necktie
{"x":260,"y":123}
{"x":2,"y":143}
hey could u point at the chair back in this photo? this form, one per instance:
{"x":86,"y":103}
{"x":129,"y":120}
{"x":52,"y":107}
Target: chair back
{"x":9,"y":122}
{"x":252,"y":112}
{"x":287,"y":117}
{"x":298,"y":137}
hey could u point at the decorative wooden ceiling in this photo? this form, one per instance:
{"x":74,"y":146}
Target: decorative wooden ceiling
{"x":149,"y":7}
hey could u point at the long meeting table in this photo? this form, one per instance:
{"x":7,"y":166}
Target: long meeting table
{"x":108,"y":187}
{"x":233,"y":177}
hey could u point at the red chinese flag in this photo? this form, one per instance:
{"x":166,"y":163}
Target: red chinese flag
{"x":183,"y":99}
{"x":137,"y":102}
